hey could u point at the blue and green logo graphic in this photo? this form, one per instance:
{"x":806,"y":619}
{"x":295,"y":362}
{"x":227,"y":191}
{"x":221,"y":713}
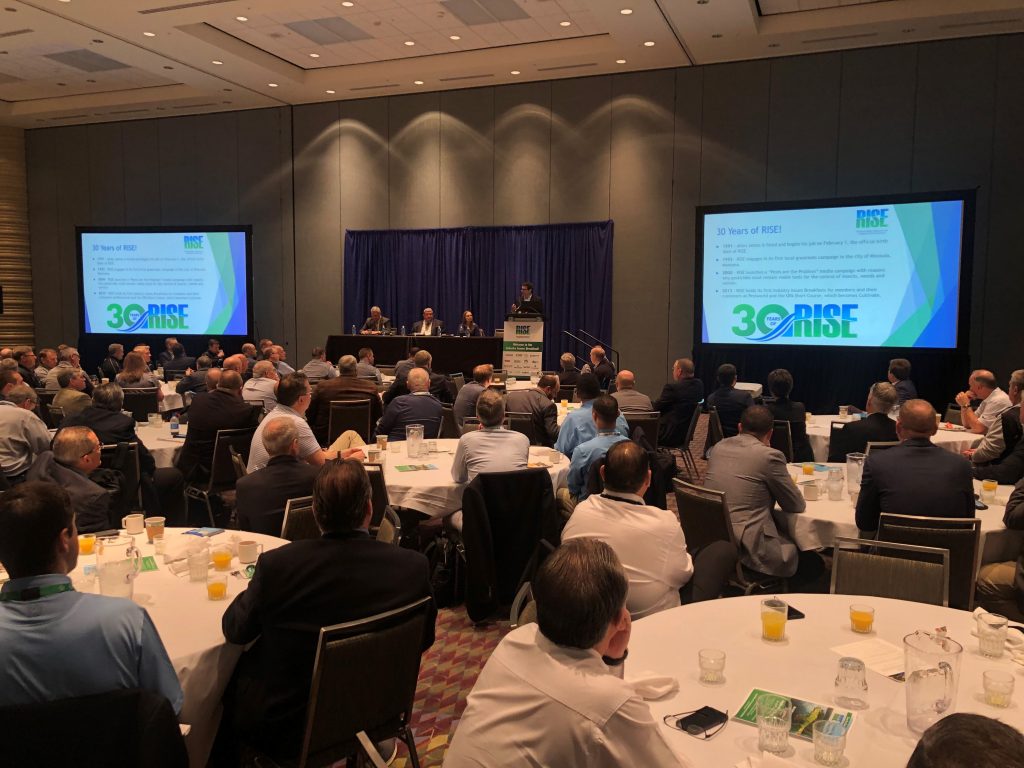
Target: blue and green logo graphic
{"x":807,"y":321}
{"x":133,"y":317}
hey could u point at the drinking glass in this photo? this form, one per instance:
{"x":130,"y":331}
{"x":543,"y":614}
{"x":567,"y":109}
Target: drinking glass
{"x":413,"y":440}
{"x":221,"y":558}
{"x":774,"y":717}
{"x":155,"y":420}
{"x":844,"y":411}
{"x":854,"y":471}
{"x":862,"y":618}
{"x":198,"y":565}
{"x":86,"y":543}
{"x":712,"y":665}
{"x":159,"y":545}
{"x":851,"y":683}
{"x":382,"y":442}
{"x":835,"y":484}
{"x":807,"y":468}
{"x":217,"y":586}
{"x":829,"y":742}
{"x":991,"y":634}
{"x":988,"y":491}
{"x":773,"y":619}
{"x":154,"y":527}
{"x":998,"y":687}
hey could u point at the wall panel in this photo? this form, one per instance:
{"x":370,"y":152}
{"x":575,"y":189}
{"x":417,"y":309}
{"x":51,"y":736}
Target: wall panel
{"x":467,"y":158}
{"x":414,"y":169}
{"x":580,"y":149}
{"x":522,"y":154}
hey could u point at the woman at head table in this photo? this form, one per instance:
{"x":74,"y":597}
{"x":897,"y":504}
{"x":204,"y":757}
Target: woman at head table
{"x":467,"y":327}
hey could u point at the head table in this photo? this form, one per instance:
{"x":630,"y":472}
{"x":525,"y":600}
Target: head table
{"x":802,"y":666}
{"x":190,"y":627}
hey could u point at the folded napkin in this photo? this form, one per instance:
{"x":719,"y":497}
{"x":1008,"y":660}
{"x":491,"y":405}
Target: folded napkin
{"x":649,"y":685}
{"x":765,"y":760}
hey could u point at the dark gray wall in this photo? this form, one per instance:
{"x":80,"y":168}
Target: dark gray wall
{"x":641,"y":148}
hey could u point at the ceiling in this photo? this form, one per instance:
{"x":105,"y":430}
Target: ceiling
{"x":82,"y":61}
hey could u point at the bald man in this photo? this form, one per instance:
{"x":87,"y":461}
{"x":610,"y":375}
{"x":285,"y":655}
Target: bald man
{"x":982,"y":385}
{"x":628,"y":398}
{"x":916,"y":477}
{"x":418,"y":407}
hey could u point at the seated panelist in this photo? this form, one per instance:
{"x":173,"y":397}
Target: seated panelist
{"x":468,"y":326}
{"x":428,"y":326}
{"x":376,"y":323}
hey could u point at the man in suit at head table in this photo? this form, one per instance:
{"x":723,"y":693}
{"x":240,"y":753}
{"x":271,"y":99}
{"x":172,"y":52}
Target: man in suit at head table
{"x":428,"y":326}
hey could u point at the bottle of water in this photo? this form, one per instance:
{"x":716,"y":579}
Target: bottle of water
{"x":353,"y":331}
{"x":402,"y":332}
{"x":175,"y":425}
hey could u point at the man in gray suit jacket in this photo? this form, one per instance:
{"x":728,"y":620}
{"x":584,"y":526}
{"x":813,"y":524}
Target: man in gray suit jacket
{"x":755,"y":478}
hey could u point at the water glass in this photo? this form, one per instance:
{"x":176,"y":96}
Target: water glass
{"x":159,"y":545}
{"x":854,"y":470}
{"x":844,"y":411}
{"x":712,"y":665}
{"x":198,"y":565}
{"x":774,"y":613}
{"x":851,"y":683}
{"x":413,"y":440}
{"x":835,"y":484}
{"x":774,"y":718}
{"x":998,"y":687}
{"x":991,"y":634}
{"x":155,"y":420}
{"x":829,"y":742}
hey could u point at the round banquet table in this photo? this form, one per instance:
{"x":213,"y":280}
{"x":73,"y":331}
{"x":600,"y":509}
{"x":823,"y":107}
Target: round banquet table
{"x":432,"y":491}
{"x":820,"y":426}
{"x":823,"y":520}
{"x":803,"y":666}
{"x":172,"y":400}
{"x":161,"y":445}
{"x":190,"y":627}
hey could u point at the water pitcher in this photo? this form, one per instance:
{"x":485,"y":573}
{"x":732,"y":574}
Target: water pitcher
{"x":932,"y":674}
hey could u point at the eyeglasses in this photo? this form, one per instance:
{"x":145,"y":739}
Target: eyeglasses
{"x":93,"y":450}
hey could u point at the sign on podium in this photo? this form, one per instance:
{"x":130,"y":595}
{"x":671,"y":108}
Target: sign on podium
{"x":523,"y":345}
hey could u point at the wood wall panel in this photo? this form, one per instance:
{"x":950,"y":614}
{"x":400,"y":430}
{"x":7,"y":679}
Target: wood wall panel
{"x":17,"y":324}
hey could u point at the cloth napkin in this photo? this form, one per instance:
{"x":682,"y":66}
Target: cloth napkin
{"x":649,"y":685}
{"x":765,"y":760}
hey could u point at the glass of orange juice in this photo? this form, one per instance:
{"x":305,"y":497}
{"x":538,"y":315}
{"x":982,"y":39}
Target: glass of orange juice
{"x":862,"y":618}
{"x":221,"y":558}
{"x":86,"y":543}
{"x":773,"y":619}
{"x":807,"y":468}
{"x":217,"y":586}
{"x":988,"y":491}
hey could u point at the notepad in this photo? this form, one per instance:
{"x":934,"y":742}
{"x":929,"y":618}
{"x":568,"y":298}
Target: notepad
{"x":878,"y":656}
{"x":148,"y":563}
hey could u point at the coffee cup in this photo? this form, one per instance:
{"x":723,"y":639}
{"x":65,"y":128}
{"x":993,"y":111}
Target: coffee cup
{"x":248,"y":551}
{"x":810,"y":491}
{"x":133,"y":523}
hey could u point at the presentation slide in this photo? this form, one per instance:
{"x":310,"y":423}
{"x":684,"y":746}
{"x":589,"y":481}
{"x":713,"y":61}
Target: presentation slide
{"x":882,"y":275}
{"x":155,"y":282}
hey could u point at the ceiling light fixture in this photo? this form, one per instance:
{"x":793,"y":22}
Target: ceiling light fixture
{"x":218,"y":63}
{"x":417,"y":82}
{"x":514,"y":72}
{"x":330,"y":91}
{"x":314,"y":55}
{"x":347,"y":4}
{"x":565,"y":23}
{"x":649,"y":44}
{"x":626,"y":11}
{"x":410,"y":42}
{"x":272,"y":85}
{"x":620,"y":61}
{"x":149,"y":34}
{"x":454,"y":37}
{"x":241,"y":18}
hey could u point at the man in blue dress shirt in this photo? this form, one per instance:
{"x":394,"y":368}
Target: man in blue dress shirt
{"x":57,"y":643}
{"x":605,"y":412}
{"x":579,"y":426}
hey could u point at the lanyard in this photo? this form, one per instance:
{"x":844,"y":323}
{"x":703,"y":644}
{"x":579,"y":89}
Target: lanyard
{"x":34,"y":593}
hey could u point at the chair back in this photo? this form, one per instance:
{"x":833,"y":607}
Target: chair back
{"x":647,"y":421}
{"x":349,"y":413}
{"x":523,"y":423}
{"x":364,"y":679}
{"x":56,"y":416}
{"x":124,"y":457}
{"x":222,"y":472}
{"x":881,"y":569}
{"x":691,"y":431}
{"x":834,"y":429}
{"x":703,"y":514}
{"x":379,"y":491}
{"x":141,"y":402}
{"x":386,"y":370}
{"x":459,"y":380}
{"x":952,"y":414}
{"x":120,"y":728}
{"x":238,"y":463}
{"x":449,"y":429}
{"x":299,"y":522}
{"x":715,"y":433}
{"x":472,"y":424}
{"x":879,"y":446}
{"x":45,"y":400}
{"x":960,"y":535}
{"x":782,"y":438}
{"x":390,"y":529}
{"x":566,"y":392}
{"x":499,"y":376}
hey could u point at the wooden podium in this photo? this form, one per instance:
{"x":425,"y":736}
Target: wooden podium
{"x":523,"y":344}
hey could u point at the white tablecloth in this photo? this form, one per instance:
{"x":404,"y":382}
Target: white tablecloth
{"x":190,"y":627}
{"x":432,"y":491}
{"x":161,"y":445}
{"x":172,"y":400}
{"x":803,"y":666}
{"x":819,"y":431}
{"x":823,"y":520}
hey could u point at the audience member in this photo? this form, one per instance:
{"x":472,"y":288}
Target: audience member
{"x":293,"y":397}
{"x":601,"y":367}
{"x":9,"y":379}
{"x":347,"y":383}
{"x":755,"y":479}
{"x":578,"y":425}
{"x":238,"y":363}
{"x":899,"y":377}
{"x":539,"y":404}
{"x":962,"y":739}
{"x":916,"y":477}
{"x":981,"y":386}
{"x":75,"y":456}
{"x":605,"y":413}
{"x":147,"y":355}
{"x":214,"y":352}
{"x":465,"y":401}
{"x":627,"y":396}
{"x":197,"y":380}
{"x":261,"y":389}
{"x":71,"y":398}
{"x":250,"y":355}
{"x":180,"y":363}
{"x":26,"y":360}
{"x":553,"y":693}
{"x":111,"y":365}
{"x":167,"y":354}
{"x":366,"y":369}
{"x":439,"y":385}
{"x":428,"y":326}
{"x":136,"y":375}
{"x":342,"y":576}
{"x":56,"y":642}
{"x":1011,"y":468}
{"x":318,"y":368}
{"x":417,"y":407}
{"x":679,"y":399}
{"x":877,"y":427}
{"x":403,"y":367}
{"x":780,"y":385}
{"x":260,"y":497}
{"x":68,"y":357}
{"x":23,"y":435}
{"x":277,"y":355}
{"x":47,"y":362}
{"x":491,"y":447}
{"x":1000,"y":587}
{"x":222,"y":408}
{"x":568,"y":376}
{"x":376,"y":323}
{"x":1001,"y":438}
{"x":729,"y":401}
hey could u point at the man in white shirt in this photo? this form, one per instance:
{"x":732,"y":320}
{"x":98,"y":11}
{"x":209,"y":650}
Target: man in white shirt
{"x":318,"y":367}
{"x":553,"y":692}
{"x":23,"y":435}
{"x":491,"y":448}
{"x":983,"y":386}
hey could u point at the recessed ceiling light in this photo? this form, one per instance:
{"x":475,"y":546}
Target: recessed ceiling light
{"x":514,"y":72}
{"x":565,"y":23}
{"x":626,"y":11}
{"x":149,"y":34}
{"x":314,"y":55}
{"x":241,"y":18}
{"x":216,"y":62}
{"x":417,"y":82}
{"x":410,"y":42}
{"x":272,"y":85}
{"x":348,"y":4}
{"x":649,"y":43}
{"x":329,"y":91}
{"x":454,"y":37}
{"x":620,"y":61}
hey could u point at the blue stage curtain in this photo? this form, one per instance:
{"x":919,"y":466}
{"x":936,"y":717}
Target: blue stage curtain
{"x":481,"y":269}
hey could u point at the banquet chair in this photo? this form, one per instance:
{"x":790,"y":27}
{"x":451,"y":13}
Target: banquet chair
{"x":459,"y":380}
{"x":349,"y":413}
{"x":879,"y":446}
{"x":952,"y":414}
{"x":860,"y":567}
{"x":124,"y":457}
{"x":141,"y":402}
{"x":299,"y":522}
{"x":386,"y":370}
{"x":649,"y":422}
{"x":221,"y":481}
{"x":390,"y":529}
{"x":472,"y":424}
{"x":715,"y":433}
{"x":960,"y":535}
{"x":523,"y":423}
{"x":379,"y":493}
{"x":118,"y":728}
{"x":499,"y":376}
{"x":363,"y":686}
{"x":782,"y":439}
{"x":689,"y":462}
{"x":567,"y":392}
{"x":704,"y":517}
{"x":449,"y":429}
{"x":44,"y":398}
{"x":56,"y":416}
{"x":238,"y":463}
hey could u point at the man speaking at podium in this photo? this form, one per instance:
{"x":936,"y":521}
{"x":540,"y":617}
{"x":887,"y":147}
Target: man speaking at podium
{"x":528,"y":303}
